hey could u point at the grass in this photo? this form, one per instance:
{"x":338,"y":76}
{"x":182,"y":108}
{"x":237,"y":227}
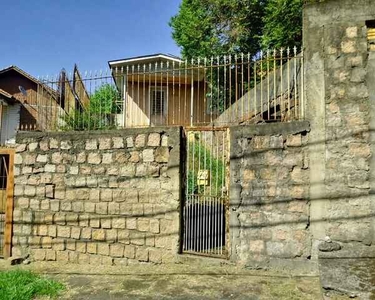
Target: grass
{"x":25,"y":285}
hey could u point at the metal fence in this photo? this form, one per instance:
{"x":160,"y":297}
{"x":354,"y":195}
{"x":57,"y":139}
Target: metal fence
{"x":220,"y":91}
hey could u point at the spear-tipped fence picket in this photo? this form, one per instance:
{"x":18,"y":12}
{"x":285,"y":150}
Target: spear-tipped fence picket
{"x":219,"y":91}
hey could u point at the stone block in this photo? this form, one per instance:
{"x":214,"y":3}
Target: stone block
{"x":107,"y":158}
{"x":359,"y":149}
{"x":113,"y":170}
{"x":46,"y":242}
{"x":154,"y":226}
{"x":94,"y":195}
{"x":29,"y":190}
{"x":117,"y":250}
{"x":101,"y":208}
{"x":48,"y":168}
{"x":81,"y":246}
{"x":257,"y":246}
{"x":73,"y":257}
{"x":129,"y":251}
{"x":104,"y":143}
{"x":141,"y":170}
{"x":137,"y":209}
{"x":38,"y":254}
{"x":111,"y":235}
{"x":119,"y":223}
{"x":66,"y":206}
{"x":94,"y":158}
{"x":143,"y":224}
{"x":129,"y":142}
{"x":63,"y":231}
{"x":155,"y":255}
{"x":123,"y":236}
{"x":106,"y":195}
{"x":348,"y":46}
{"x":113,"y":208}
{"x":81,"y":158}
{"x":91,"y":247}
{"x":20,"y":148}
{"x":66,"y":145}
{"x":118,"y":142}
{"x":352,"y":32}
{"x":86,"y":233}
{"x":164,"y":141}
{"x":62,"y":256}
{"x":294,"y":140}
{"x":141,"y":254}
{"x":131,"y":223}
{"x":134,"y":157}
{"x":140,"y":141}
{"x":34,"y":204}
{"x":76,"y":233}
{"x":55,"y":205}
{"x":83,"y":258}
{"x":103,"y":249}
{"x":107,"y":261}
{"x":91,"y":144}
{"x":94,"y":222}
{"x":92,"y":181}
{"x":162,"y":155}
{"x":137,"y":238}
{"x":58,"y":244}
{"x":128,"y":170}
{"x":106,"y":222}
{"x":148,"y":155}
{"x":42,"y":158}
{"x":153,"y":140}
{"x":98,"y":234}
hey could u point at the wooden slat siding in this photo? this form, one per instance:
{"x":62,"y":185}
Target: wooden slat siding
{"x":9,"y":203}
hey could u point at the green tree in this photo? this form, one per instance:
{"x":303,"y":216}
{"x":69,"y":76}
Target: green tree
{"x":204,"y":28}
{"x":99,"y":114}
{"x":282,"y":24}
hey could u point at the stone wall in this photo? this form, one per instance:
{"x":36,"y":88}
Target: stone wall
{"x":338,"y":88}
{"x":340,"y":97}
{"x":269,"y":217}
{"x":98,"y":197}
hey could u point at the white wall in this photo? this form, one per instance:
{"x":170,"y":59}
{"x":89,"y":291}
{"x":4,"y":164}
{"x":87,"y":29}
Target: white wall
{"x":10,"y":123}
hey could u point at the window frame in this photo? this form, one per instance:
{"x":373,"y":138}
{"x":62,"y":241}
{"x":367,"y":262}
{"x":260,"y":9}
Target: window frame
{"x":164,"y":108}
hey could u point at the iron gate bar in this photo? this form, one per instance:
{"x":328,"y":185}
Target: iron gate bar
{"x":206,"y":206}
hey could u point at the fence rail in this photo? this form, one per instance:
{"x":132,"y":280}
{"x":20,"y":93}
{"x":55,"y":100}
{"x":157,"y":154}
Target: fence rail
{"x":220,"y":91}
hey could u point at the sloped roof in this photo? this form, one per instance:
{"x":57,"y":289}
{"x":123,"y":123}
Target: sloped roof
{"x":144,"y":59}
{"x":6,"y":96}
{"x":20,"y":71}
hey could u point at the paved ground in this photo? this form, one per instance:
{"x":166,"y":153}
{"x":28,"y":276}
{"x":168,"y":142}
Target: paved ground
{"x":178,"y":281}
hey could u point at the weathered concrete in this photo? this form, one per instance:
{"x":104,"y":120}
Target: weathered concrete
{"x":177,"y":281}
{"x":339,"y":95}
{"x":269,"y":204}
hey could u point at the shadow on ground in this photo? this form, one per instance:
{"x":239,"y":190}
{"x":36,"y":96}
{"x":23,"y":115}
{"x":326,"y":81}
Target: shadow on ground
{"x":177,"y":281}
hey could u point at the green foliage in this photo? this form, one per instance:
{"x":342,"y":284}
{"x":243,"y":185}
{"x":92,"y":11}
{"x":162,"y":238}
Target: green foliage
{"x":100,"y":113}
{"x":283,"y":24}
{"x":201,"y":158}
{"x":26,"y":285}
{"x":205,"y":28}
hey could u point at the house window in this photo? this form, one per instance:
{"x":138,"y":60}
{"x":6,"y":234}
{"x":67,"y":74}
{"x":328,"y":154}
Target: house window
{"x":158,"y":102}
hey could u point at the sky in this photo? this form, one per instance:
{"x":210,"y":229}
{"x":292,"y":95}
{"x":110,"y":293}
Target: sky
{"x":43,"y":36}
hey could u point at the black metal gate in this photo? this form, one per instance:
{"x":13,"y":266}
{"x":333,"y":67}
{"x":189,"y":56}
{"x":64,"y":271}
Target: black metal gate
{"x":205,"y":211}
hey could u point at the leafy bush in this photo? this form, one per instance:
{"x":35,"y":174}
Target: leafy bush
{"x":100,"y":113}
